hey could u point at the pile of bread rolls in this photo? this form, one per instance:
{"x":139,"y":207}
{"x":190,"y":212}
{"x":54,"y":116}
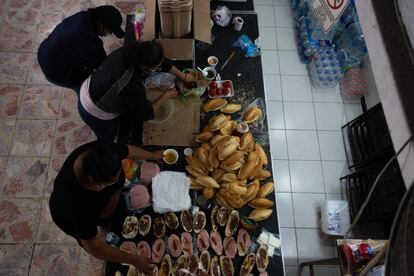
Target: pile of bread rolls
{"x":230,"y":166}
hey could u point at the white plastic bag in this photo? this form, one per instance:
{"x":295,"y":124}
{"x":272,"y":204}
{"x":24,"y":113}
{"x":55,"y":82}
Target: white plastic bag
{"x":160,"y":80}
{"x":222,"y":16}
{"x":259,"y":124}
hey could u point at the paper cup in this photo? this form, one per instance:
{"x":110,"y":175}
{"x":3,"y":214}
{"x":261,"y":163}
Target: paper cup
{"x":170,"y":156}
{"x":212,"y":61}
{"x":238,"y":23}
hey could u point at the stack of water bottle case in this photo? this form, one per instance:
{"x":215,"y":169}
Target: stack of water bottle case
{"x":331,"y":55}
{"x":175,"y":17}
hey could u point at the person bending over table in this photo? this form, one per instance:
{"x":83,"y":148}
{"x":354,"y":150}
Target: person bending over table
{"x":117,"y":88}
{"x":86,"y":193}
{"x":74,"y":50}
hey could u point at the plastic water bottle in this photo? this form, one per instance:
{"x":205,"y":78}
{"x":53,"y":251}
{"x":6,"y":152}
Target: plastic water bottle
{"x":324,"y":69}
{"x":351,"y":47}
{"x":300,"y":8}
{"x":112,"y":238}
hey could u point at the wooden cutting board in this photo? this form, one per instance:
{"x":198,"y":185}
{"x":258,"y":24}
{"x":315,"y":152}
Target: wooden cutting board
{"x":180,"y":129}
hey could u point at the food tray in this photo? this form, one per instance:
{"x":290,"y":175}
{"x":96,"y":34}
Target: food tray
{"x":220,"y":86}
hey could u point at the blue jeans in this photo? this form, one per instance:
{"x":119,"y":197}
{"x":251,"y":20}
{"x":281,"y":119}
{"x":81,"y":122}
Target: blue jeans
{"x":105,"y":130}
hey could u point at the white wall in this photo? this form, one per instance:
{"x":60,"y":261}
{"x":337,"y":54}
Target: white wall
{"x":388,"y":93}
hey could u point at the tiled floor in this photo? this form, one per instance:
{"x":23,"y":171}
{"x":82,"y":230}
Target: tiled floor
{"x":39,"y":126}
{"x":307,"y":148}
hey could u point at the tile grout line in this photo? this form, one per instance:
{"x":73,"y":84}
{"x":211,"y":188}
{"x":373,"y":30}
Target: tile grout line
{"x":16,"y":121}
{"x":323,"y":177}
{"x":278,"y":61}
{"x":287,"y":148}
{"x":317,"y":136}
{"x":53,"y":140}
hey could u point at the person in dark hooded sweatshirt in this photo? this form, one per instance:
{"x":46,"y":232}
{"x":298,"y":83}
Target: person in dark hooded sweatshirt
{"x":74,"y":50}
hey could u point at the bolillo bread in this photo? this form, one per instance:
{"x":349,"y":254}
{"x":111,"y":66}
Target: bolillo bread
{"x":214,"y":104}
{"x":252,"y":115}
{"x":230,"y":108}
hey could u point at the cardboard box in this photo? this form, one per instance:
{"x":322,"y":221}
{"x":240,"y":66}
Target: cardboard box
{"x":178,"y":48}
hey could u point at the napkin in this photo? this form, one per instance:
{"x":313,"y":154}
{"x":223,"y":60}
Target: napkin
{"x":170,"y":192}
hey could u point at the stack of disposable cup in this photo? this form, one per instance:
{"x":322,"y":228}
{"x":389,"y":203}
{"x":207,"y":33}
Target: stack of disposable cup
{"x":175,"y":17}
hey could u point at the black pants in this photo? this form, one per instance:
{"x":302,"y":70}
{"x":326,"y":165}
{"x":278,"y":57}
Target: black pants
{"x":130,"y":129}
{"x":126,"y":127}
{"x":105,"y":130}
{"x":73,"y":78}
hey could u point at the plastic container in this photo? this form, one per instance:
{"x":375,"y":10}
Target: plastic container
{"x":164,"y":113}
{"x":112,"y":238}
{"x":220,"y":85}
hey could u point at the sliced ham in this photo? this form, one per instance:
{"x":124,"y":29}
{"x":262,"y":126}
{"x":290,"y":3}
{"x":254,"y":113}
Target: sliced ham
{"x":203,"y":240}
{"x":186,"y":243}
{"x":139,"y":197}
{"x":143,"y":249}
{"x":174,"y":245}
{"x":243,"y":241}
{"x":129,"y":247}
{"x":158,"y":250}
{"x":216,"y":242}
{"x":148,"y":171}
{"x":230,"y":247}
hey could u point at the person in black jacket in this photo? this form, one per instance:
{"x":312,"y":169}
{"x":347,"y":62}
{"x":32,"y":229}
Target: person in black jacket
{"x":74,"y":50}
{"x":117,"y":88}
{"x":87,"y":191}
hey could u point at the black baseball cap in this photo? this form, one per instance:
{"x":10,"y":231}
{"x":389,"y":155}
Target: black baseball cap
{"x":111,"y":18}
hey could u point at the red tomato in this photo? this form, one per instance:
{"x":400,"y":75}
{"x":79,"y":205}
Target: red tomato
{"x":226,"y":91}
{"x":214,"y":84}
{"x":212,"y":92}
{"x":227,"y":84}
{"x":219,"y":91}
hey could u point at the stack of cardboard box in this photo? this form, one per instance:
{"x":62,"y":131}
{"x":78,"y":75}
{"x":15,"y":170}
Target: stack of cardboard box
{"x":178,"y":48}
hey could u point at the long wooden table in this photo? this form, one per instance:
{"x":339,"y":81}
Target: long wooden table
{"x":248,"y":86}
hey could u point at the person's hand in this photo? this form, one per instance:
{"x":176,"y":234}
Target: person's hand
{"x":143,"y":264}
{"x":203,"y":82}
{"x":189,"y":78}
{"x":170,"y":93}
{"x":157,"y":155}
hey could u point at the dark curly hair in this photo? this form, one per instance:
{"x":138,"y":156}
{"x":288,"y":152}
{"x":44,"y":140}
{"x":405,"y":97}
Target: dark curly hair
{"x":147,"y":53}
{"x":101,"y":163}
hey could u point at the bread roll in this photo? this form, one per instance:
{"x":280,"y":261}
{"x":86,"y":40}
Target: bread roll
{"x":230,"y":108}
{"x":204,"y":137}
{"x":252,"y":115}
{"x":214,"y":104}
